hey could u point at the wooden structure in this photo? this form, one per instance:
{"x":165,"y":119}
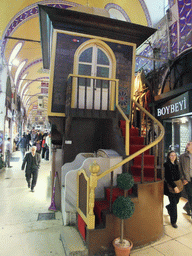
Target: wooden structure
{"x":90,"y":57}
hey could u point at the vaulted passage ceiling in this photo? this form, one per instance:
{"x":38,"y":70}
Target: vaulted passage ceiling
{"x":21,"y":46}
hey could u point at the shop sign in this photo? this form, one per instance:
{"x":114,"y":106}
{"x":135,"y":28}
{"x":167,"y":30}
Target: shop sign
{"x":174,"y":107}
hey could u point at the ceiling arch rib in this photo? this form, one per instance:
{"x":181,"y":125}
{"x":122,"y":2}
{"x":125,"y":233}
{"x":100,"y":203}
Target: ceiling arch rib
{"x":14,"y":53}
{"x":21,"y":81}
{"x":30,"y":82}
{"x":28,"y":67}
{"x":19,"y":69}
{"x":27,"y":13}
{"x":18,"y":32}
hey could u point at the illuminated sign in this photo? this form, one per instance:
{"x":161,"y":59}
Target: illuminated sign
{"x":174,"y":107}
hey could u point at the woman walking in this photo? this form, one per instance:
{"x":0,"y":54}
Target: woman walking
{"x":174,"y":184}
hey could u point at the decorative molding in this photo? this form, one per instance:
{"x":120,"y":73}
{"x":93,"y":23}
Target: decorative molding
{"x":147,"y":15}
{"x":120,"y":9}
{"x":28,"y":13}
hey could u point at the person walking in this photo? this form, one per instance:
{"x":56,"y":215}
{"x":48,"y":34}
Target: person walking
{"x":44,"y":146}
{"x":174,"y":184}
{"x":8,"y":153}
{"x":28,"y":138}
{"x":48,"y":146}
{"x":38,"y":141}
{"x":32,"y":161}
{"x":33,"y":135}
{"x":23,"y":146}
{"x":185,"y":162}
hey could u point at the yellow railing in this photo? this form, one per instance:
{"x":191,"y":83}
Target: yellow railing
{"x":94,"y":168}
{"x":152,"y":144}
{"x":74,"y":85}
{"x":91,"y":182}
{"x":113,"y":100}
{"x":89,"y":218}
{"x":127,"y":121}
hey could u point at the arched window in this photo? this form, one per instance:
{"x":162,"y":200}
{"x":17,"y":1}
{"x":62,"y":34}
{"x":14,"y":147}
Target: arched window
{"x":96,"y":59}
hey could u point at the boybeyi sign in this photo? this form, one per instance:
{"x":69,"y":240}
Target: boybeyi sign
{"x":174,"y":107}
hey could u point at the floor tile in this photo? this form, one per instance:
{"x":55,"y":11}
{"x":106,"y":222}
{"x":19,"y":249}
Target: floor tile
{"x":22,"y":234}
{"x":173,"y":248}
{"x":147,"y":251}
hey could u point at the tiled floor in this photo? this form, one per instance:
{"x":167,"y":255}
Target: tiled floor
{"x":175,"y":242}
{"x":21,"y":234}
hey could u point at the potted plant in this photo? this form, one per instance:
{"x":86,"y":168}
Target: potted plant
{"x":123,"y":208}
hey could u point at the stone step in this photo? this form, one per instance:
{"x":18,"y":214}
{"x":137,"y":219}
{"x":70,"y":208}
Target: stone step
{"x":72,"y":242}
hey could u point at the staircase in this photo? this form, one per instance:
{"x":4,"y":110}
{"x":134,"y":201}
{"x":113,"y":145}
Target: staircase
{"x":136,"y":143}
{"x":142,"y":168}
{"x":102,"y":206}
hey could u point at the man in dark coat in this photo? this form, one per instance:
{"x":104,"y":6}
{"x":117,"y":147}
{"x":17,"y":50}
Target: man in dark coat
{"x":32,"y":161}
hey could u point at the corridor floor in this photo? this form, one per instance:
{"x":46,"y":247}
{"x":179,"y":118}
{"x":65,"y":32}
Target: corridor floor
{"x":22,"y":234}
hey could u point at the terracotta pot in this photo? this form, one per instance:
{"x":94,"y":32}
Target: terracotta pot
{"x":122,"y":249}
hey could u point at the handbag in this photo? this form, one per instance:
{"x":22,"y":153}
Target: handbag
{"x":178,"y":183}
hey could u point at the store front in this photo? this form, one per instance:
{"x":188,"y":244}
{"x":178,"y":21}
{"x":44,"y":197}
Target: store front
{"x":176,"y":116}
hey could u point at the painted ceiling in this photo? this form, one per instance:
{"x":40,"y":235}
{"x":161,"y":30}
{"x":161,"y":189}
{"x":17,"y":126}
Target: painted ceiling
{"x":19,"y":29}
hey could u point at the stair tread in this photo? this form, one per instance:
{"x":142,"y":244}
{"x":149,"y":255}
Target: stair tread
{"x":145,"y":166}
{"x":137,"y":179}
{"x":146,"y":156}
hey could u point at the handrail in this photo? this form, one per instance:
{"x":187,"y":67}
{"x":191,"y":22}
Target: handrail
{"x":126,"y":120}
{"x":93,"y":77}
{"x":111,"y":80}
{"x":152,"y":144}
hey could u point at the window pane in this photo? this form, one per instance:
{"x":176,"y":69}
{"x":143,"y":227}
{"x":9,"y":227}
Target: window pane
{"x":84,"y":70}
{"x":102,"y":58}
{"x":86,"y":56}
{"x":102,"y":72}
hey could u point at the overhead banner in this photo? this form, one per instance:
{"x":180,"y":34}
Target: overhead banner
{"x":44,"y":87}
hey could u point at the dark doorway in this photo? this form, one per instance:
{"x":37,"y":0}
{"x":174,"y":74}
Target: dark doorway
{"x":177,"y":138}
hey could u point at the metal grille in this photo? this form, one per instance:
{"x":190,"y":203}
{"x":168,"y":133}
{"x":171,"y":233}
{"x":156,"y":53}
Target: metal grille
{"x":46,"y":216}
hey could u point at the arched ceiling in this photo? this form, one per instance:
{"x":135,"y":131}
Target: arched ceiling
{"x":19,"y":26}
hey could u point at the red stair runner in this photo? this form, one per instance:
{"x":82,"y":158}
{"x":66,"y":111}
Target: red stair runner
{"x":136,"y":143}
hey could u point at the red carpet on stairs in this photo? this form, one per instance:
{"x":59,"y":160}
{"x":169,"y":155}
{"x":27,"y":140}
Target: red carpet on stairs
{"x":137,"y":143}
{"x":104,"y":204}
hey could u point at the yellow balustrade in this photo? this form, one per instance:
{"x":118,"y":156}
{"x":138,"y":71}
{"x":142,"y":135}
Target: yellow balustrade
{"x":89,"y":219}
{"x":95,"y":168}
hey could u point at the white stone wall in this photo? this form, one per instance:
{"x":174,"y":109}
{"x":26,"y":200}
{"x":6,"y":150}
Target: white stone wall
{"x":3,"y":79}
{"x":184,"y":136}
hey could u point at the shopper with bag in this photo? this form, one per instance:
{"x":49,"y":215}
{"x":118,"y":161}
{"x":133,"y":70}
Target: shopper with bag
{"x":174,"y":184}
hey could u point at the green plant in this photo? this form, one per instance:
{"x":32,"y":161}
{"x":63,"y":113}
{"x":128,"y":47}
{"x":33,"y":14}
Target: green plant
{"x":123,"y":207}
